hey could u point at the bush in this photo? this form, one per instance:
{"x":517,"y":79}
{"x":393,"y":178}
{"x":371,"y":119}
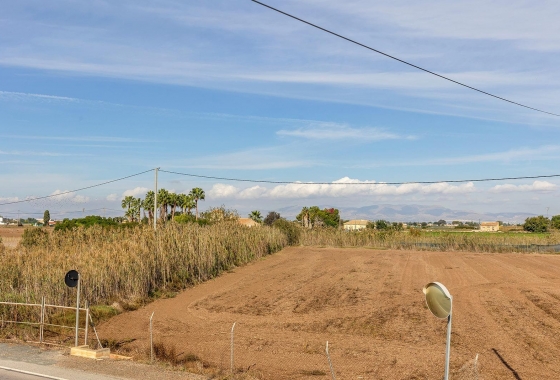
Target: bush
{"x":536,"y":224}
{"x":555,"y":222}
{"x":88,"y":221}
{"x":34,"y":237}
{"x":415,"y":232}
{"x":271,"y":218}
{"x":290,"y":229}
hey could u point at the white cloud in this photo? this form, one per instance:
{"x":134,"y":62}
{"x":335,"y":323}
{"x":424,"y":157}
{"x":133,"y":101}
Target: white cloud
{"x":80,"y":199}
{"x":252,"y":192}
{"x":66,"y":195}
{"x":220,"y":190}
{"x":136,"y":192}
{"x":112,"y":197}
{"x":535,"y":186}
{"x":344,"y":187}
{"x":334,"y":131}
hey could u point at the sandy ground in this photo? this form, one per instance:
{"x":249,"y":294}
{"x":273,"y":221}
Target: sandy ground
{"x":369,"y":305}
{"x":11,"y":235}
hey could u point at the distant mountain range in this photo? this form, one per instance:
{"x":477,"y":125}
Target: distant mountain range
{"x":413,"y":213}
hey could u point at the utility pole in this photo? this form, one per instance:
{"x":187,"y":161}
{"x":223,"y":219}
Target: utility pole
{"x":155,"y":201}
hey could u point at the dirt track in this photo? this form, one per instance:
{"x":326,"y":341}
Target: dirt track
{"x":369,"y":305}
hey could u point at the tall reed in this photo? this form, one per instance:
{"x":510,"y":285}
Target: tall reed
{"x":130,"y":264}
{"x":436,"y":241}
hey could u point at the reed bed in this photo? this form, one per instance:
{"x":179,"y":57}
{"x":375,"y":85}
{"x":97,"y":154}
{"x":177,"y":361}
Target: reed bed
{"x":129,"y":265}
{"x":435,"y":241}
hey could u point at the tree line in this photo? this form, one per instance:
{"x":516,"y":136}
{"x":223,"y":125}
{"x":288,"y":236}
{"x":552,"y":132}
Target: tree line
{"x":167,"y":203}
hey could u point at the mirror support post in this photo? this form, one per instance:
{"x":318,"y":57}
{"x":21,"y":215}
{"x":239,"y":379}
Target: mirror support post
{"x":448,"y":345}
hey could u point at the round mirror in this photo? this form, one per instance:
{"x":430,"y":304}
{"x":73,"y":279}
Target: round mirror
{"x":438,"y":299}
{"x":71,"y":278}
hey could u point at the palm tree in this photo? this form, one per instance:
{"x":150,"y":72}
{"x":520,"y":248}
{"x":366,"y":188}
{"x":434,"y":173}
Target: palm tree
{"x":256,"y":216}
{"x":197,"y":194}
{"x":186,"y":202}
{"x":127,"y":203}
{"x":148,"y":204}
{"x":163,"y":203}
{"x":305,"y":217}
{"x":137,"y":208}
{"x":173,"y":202}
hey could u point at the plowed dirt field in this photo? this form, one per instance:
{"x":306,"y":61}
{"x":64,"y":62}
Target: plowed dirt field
{"x":369,"y":305}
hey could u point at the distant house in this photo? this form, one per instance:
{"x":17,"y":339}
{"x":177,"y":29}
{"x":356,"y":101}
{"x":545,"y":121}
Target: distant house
{"x":490,"y":226}
{"x":356,"y":224}
{"x":2,"y":221}
{"x":247,"y":222}
{"x":52,"y":223}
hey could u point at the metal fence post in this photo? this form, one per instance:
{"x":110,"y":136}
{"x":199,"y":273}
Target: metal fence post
{"x":329,"y":359}
{"x":77,"y":313}
{"x":87,"y":324}
{"x":151,"y":339}
{"x":42,"y":326}
{"x":231,"y":362}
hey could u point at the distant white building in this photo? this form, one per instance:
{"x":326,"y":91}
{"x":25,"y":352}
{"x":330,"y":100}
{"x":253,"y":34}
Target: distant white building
{"x":2,"y":221}
{"x":356,"y":224}
{"x":490,"y":226}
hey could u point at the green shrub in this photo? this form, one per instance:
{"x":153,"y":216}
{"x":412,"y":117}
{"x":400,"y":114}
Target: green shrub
{"x":34,"y":237}
{"x":536,"y":224}
{"x":555,"y":222}
{"x":290,"y":229}
{"x":88,"y":221}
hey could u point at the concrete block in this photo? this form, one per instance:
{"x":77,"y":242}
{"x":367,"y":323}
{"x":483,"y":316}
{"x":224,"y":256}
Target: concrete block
{"x":86,"y":352}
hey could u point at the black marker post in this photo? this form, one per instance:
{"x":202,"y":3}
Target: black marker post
{"x":72,"y":279}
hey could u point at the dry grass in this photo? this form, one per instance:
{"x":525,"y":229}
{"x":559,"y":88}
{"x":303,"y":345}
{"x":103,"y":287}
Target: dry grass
{"x":129,"y":265}
{"x":435,"y":241}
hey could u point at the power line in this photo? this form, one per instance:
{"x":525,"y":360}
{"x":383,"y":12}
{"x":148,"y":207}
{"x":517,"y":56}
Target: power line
{"x":401,"y":60}
{"x":358,"y":183}
{"x":76,"y":190}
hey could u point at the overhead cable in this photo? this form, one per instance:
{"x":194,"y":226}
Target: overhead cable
{"x":73,"y":191}
{"x":401,"y":60}
{"x":358,"y":183}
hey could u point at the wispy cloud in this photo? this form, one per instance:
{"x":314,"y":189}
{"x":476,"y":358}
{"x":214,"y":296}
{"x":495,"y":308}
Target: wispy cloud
{"x":108,"y":139}
{"x":334,"y":131}
{"x":9,"y":95}
{"x":276,"y":157}
{"x":32,"y":153}
{"x":540,"y":153}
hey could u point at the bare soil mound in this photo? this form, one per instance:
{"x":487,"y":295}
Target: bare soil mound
{"x":369,"y":305}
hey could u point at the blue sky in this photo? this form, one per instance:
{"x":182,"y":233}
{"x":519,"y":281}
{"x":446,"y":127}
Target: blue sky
{"x":92,"y":91}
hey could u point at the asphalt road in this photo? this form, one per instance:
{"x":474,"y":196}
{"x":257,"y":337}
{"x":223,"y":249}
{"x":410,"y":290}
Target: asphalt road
{"x":10,"y":375}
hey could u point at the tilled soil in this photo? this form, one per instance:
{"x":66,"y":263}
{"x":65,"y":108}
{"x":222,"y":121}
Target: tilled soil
{"x":368,"y":304}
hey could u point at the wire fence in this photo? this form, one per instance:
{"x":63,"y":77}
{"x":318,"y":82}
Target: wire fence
{"x":48,"y":323}
{"x":235,"y":352}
